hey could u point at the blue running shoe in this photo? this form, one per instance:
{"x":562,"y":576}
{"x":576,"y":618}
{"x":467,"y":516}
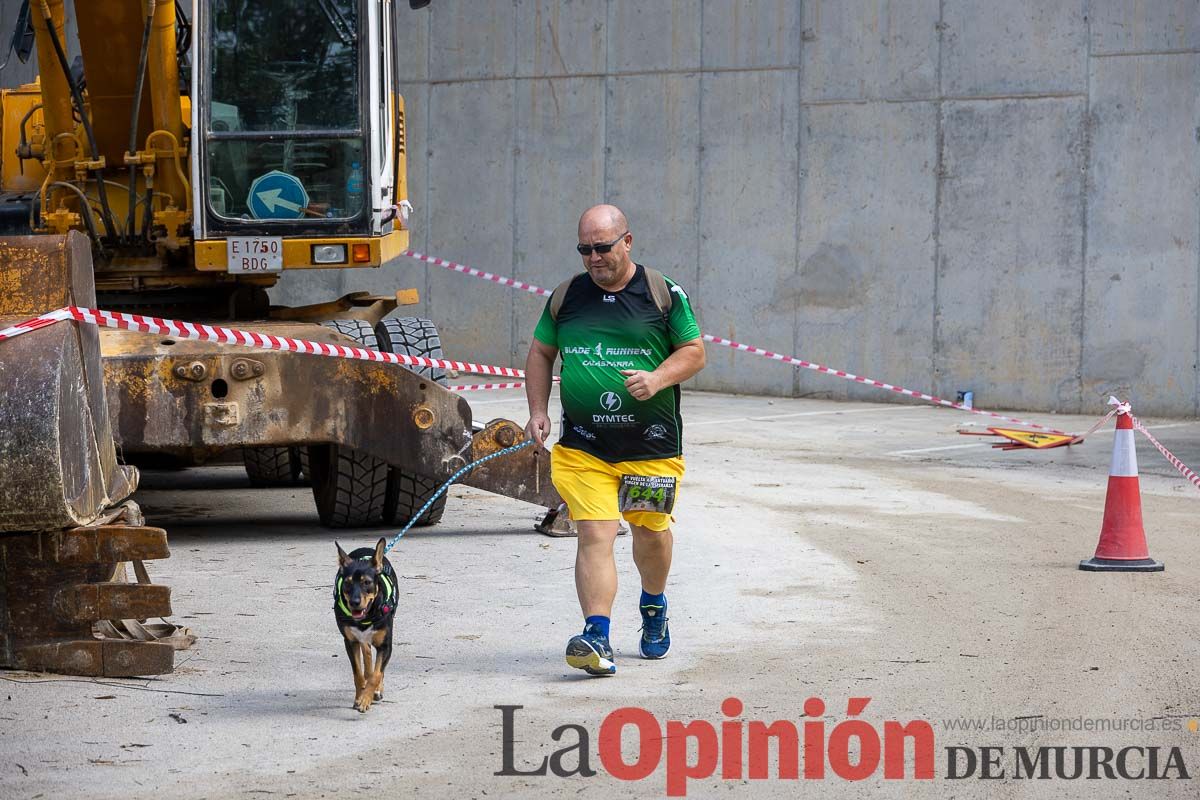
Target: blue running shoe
{"x":591,"y":652}
{"x":656,"y":639}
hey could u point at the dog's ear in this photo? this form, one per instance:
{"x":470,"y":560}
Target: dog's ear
{"x":377,"y":559}
{"x":343,"y":559}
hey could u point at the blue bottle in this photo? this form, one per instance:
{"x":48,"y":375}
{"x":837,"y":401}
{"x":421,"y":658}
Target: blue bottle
{"x":354,"y":188}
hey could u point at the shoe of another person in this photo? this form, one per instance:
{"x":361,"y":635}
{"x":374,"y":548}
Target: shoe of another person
{"x":656,"y":638}
{"x":591,"y":652}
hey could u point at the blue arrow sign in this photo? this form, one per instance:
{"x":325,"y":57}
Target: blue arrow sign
{"x":277,"y":195}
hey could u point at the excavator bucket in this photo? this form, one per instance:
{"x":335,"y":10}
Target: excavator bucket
{"x":55,"y":586}
{"x":58,"y":466}
{"x":59,"y":475}
{"x":524,"y":475}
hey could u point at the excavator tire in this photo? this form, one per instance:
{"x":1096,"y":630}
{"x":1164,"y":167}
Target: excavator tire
{"x":407,"y":492}
{"x":349,"y":487}
{"x":412,"y":336}
{"x":272,"y":466}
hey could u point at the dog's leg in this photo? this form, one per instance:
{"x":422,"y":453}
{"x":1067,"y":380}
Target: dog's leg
{"x":376,"y":679}
{"x":383,"y":655}
{"x":360,"y":676}
{"x":367,"y":688}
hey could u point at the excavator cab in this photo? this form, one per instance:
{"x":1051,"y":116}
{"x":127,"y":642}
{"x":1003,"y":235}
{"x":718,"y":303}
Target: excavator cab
{"x":297,"y":135}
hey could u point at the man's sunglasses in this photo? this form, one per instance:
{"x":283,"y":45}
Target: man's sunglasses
{"x":586,"y":249}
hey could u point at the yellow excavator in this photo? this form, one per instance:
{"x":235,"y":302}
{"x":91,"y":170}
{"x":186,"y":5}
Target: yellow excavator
{"x":178,"y":168}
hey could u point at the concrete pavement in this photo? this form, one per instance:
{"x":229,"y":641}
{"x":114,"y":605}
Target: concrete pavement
{"x":824,"y":550}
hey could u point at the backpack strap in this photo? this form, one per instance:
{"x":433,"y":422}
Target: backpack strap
{"x":655,"y":280}
{"x":559,"y":294}
{"x":659,"y":290}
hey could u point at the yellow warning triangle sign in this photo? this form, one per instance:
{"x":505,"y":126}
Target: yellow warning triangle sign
{"x":1036,"y":440}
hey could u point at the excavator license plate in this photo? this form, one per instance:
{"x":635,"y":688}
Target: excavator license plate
{"x":254,"y":254}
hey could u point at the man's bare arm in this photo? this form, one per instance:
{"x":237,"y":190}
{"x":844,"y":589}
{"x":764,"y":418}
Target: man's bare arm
{"x":687,"y":359}
{"x":539,"y":377}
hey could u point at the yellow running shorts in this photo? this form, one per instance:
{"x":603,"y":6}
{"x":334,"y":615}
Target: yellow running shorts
{"x":590,"y":486}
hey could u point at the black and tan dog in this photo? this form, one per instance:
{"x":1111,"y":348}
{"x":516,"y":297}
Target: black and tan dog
{"x":364,"y":603}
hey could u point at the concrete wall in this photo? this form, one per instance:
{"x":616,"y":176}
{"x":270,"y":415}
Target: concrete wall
{"x":942,"y":194}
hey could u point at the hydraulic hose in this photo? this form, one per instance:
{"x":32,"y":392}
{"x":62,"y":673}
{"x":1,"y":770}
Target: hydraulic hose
{"x":23,"y":144}
{"x":85,"y":207}
{"x":148,"y":211}
{"x":133,"y":119}
{"x":109,"y":228}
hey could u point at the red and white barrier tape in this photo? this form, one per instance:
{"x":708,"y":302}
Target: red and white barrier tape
{"x":1175,"y":462}
{"x":1080,"y":437}
{"x":265,"y":341}
{"x":745,"y":348}
{"x":475,"y":387}
{"x":478,"y":273}
{"x":1124,"y":408}
{"x":13,"y":331}
{"x":799,"y":362}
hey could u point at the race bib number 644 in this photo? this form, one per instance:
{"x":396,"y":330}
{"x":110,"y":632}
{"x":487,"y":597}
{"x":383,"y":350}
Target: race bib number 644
{"x":647,"y":493}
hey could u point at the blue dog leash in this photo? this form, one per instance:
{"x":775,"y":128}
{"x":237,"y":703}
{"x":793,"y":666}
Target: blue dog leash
{"x":446,"y":486}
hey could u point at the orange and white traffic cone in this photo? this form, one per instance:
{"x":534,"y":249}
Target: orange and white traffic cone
{"x":1122,"y":546}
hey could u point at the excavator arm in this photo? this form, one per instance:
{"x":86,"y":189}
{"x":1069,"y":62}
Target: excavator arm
{"x":114,"y":160}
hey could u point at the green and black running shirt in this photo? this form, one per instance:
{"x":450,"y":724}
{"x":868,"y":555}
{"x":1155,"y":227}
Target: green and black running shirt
{"x":598,"y":334}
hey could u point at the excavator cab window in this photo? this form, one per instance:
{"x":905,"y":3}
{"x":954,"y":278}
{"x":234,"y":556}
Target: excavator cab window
{"x":284,"y":139}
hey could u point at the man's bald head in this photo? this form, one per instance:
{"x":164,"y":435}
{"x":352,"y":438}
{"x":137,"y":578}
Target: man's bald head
{"x":604,"y":235}
{"x":600,"y":220}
